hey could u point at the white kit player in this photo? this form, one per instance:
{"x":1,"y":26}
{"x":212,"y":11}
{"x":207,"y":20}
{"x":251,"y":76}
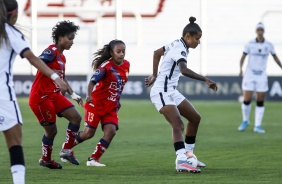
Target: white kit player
{"x":167,"y":99}
{"x":12,"y":43}
{"x":255,"y":78}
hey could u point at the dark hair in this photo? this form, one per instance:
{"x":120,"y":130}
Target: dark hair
{"x":63,"y":28}
{"x":192,"y":28}
{"x":105,"y":53}
{"x":5,"y":7}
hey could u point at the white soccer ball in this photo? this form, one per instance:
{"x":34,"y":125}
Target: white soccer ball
{"x":192,"y":159}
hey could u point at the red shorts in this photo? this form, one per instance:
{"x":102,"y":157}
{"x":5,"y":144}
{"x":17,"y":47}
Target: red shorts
{"x":47,"y":107}
{"x":93,"y":118}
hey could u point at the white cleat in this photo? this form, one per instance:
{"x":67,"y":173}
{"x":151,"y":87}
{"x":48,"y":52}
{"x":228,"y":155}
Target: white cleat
{"x":184,"y":166}
{"x":93,"y":162}
{"x":258,"y":129}
{"x":201,"y":164}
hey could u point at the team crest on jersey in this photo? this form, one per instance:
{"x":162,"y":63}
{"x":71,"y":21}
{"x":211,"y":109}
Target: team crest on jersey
{"x":183,"y":53}
{"x":97,"y":72}
{"x":47,"y":51}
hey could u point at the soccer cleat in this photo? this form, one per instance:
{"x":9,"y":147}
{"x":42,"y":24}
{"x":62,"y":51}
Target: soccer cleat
{"x":258,"y":129}
{"x":68,"y":154}
{"x":51,"y":164}
{"x":243,"y":126}
{"x":201,"y":164}
{"x":94,"y":162}
{"x":184,"y":166}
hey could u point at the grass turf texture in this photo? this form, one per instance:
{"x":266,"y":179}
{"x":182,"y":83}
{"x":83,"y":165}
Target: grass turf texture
{"x":142,"y":151}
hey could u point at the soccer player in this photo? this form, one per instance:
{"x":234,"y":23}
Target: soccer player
{"x":167,"y":99}
{"x":12,"y":43}
{"x":103,"y":97}
{"x":255,"y":78}
{"x":46,"y":100}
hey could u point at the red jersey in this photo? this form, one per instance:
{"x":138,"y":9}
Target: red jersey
{"x":110,"y":80}
{"x":54,"y":60}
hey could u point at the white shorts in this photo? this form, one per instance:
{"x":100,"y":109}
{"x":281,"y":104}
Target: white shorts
{"x":255,"y":83}
{"x":10,"y":114}
{"x":166,"y":98}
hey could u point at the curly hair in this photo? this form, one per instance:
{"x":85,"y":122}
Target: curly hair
{"x":105,"y":53}
{"x":63,"y":28}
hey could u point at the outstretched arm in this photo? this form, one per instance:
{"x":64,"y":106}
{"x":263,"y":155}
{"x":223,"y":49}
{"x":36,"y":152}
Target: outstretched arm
{"x":191,"y":74}
{"x":156,"y":60}
{"x":41,"y":66}
{"x":241,"y":64}
{"x":276,"y":59}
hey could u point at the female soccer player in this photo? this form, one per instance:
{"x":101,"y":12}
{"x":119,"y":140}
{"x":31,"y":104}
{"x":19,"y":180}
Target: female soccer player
{"x":103,"y":95}
{"x":255,"y":78}
{"x":12,"y":43}
{"x":166,"y":98}
{"x":46,"y":100}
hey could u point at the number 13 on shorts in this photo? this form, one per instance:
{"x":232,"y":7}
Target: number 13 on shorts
{"x":90,"y":116}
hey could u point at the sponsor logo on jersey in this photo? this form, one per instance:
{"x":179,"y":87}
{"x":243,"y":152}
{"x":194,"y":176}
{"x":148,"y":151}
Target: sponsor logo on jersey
{"x":183,"y":53}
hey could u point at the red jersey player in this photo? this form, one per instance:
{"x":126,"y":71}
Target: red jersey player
{"x":46,"y":100}
{"x":104,"y":90}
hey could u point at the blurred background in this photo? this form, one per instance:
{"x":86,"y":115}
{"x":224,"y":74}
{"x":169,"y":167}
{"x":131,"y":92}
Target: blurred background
{"x":146,"y":25}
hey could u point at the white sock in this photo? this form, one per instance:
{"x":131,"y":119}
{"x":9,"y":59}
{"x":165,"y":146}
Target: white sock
{"x":18,"y":173}
{"x":259,"y":115}
{"x":189,"y":147}
{"x":246,"y":109}
{"x":181,"y":154}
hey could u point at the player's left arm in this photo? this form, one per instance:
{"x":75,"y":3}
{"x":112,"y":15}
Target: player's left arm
{"x":276,"y":59}
{"x":73,"y":95}
{"x":191,"y":74}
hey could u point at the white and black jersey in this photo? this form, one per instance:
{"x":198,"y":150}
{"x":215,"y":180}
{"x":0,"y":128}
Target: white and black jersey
{"x":8,"y":51}
{"x":169,"y":72}
{"x":258,"y":53}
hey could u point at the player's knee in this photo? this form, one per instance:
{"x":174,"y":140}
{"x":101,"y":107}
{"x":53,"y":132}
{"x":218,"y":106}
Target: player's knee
{"x":246,"y":102}
{"x":260,"y":103}
{"x":178,"y":124}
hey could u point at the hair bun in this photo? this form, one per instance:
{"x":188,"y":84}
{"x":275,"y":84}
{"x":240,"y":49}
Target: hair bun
{"x":192,"y":20}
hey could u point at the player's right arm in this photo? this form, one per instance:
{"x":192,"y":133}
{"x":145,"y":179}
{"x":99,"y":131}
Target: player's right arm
{"x":96,"y":77}
{"x":40,"y":65}
{"x":241,"y":63}
{"x":156,"y":60}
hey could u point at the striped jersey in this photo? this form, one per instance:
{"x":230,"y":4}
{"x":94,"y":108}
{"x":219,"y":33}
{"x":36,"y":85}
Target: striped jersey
{"x":8,"y":51}
{"x":258,"y":53}
{"x":169,"y":72}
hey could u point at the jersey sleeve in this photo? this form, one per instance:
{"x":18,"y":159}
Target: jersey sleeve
{"x":16,"y":40}
{"x":271,"y":49}
{"x":246,"y":49}
{"x":98,"y":75}
{"x":179,"y":54}
{"x":48,"y":55}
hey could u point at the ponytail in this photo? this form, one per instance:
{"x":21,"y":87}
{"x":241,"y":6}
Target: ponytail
{"x":104,"y":54}
{"x":3,"y":20}
{"x":7,"y":8}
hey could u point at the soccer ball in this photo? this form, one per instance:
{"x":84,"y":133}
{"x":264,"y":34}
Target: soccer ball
{"x":192,"y":159}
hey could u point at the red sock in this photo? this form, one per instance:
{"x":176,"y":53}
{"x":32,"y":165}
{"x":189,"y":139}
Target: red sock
{"x":46,"y":152}
{"x":70,"y":136}
{"x":100,"y":149}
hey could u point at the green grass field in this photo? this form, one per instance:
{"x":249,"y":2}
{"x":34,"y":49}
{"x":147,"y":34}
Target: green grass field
{"x":142,"y":151}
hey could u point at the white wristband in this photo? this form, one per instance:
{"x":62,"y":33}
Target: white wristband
{"x":54,"y":76}
{"x":74,"y":96}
